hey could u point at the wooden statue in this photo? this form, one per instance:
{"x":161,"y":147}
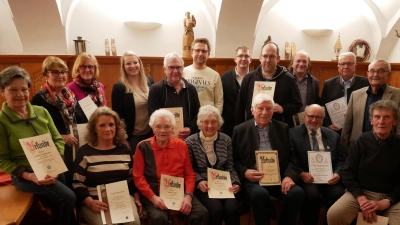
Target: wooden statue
{"x":107,"y":47}
{"x":293,"y":53}
{"x":268,"y":39}
{"x":113,"y":49}
{"x":188,"y":35}
{"x":287,"y":51}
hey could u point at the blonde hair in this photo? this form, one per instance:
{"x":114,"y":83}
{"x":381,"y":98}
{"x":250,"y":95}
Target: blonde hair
{"x":124,"y":76}
{"x":80,"y":60}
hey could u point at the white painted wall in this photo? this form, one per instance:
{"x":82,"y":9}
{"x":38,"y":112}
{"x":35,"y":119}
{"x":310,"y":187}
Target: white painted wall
{"x":10,"y":42}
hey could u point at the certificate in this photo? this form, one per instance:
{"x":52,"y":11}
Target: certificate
{"x":178,"y":113}
{"x":43,"y":156}
{"x":172,"y":191}
{"x":336,"y":110}
{"x":380,"y":220}
{"x":116,"y":196}
{"x":219,"y":182}
{"x":268,"y":163}
{"x":298,"y":118}
{"x":320,"y":166}
{"x":87,"y":106}
{"x":266,"y":87}
{"x":79,"y":131}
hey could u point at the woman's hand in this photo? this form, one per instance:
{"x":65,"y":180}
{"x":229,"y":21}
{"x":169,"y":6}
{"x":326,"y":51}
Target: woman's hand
{"x":48,"y":180}
{"x":95,"y":205}
{"x":138,"y":203}
{"x":203,"y":186}
{"x":69,"y":139}
{"x":235,"y":189}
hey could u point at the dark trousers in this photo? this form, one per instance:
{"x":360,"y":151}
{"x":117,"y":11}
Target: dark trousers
{"x":316,"y":195}
{"x":259,"y":198}
{"x":220,"y":209}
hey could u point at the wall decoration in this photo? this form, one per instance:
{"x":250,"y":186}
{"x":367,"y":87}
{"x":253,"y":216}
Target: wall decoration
{"x":113,"y":48}
{"x":361,"y":48}
{"x":188,"y":34}
{"x":287,"y":51}
{"x":337,"y":47}
{"x":107,"y":47}
{"x":293,"y":53}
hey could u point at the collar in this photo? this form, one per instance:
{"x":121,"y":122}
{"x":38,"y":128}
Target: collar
{"x":267,"y":127}
{"x":182,"y":81}
{"x":305,"y":76}
{"x":318,"y":131}
{"x":382,"y":140}
{"x":156,"y":147}
{"x":13,"y":117}
{"x":237,"y":74}
{"x":380,"y":90}
{"x":348,"y":81}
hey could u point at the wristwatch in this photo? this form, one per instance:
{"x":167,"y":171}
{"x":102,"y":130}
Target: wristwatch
{"x":389,"y":200}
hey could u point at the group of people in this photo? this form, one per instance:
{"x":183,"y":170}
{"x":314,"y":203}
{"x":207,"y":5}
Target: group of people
{"x":223,"y":127}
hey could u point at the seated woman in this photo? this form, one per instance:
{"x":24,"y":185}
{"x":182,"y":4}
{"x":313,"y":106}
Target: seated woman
{"x":103,"y":160}
{"x":62,"y":106}
{"x":85,"y":73}
{"x":164,"y":154}
{"x":212,"y":149}
{"x":19,"y":119}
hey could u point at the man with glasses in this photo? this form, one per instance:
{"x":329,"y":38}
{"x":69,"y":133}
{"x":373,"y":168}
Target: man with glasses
{"x":286,"y":97}
{"x":342,"y":85}
{"x":175,"y":91}
{"x":357,"y":116}
{"x":206,"y":80}
{"x":231,"y":81}
{"x":311,"y":136}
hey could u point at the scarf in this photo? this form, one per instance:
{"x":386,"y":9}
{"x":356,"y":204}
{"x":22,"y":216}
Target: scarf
{"x":93,"y":90}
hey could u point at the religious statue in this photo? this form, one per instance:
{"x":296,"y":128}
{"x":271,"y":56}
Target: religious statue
{"x":188,"y":35}
{"x":107,"y":47}
{"x":287,"y":51}
{"x":293,"y":53}
{"x":113,"y":49}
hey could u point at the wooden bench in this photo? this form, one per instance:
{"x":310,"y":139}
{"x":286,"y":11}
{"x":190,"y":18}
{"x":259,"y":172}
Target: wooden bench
{"x":14,"y":204}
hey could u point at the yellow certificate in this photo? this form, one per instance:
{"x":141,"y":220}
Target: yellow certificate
{"x":78,"y":131}
{"x":219,"y":182}
{"x":268,"y":163}
{"x":43,"y":156}
{"x":178,"y":113}
{"x":172,"y":191}
{"x":266,"y":87}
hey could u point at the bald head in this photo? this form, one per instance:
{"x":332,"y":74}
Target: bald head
{"x":314,"y":116}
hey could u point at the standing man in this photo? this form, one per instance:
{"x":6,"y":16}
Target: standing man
{"x":342,"y":85}
{"x":308,"y":85}
{"x":174,"y":91}
{"x":206,"y":80}
{"x":231,"y":81}
{"x":357,"y":116}
{"x":265,"y":133}
{"x":286,"y":97}
{"x":311,"y":136}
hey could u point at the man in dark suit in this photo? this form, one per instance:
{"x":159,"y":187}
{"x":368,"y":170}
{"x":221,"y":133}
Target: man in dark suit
{"x":342,"y":85}
{"x":324,"y":140}
{"x":264,"y":133}
{"x":231,"y":81}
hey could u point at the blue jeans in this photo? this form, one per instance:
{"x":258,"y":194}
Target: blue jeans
{"x":60,"y":198}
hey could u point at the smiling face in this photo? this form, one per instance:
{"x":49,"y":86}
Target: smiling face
{"x":269,"y":58}
{"x":313,"y":117}
{"x":87,"y":70}
{"x":131,"y":66}
{"x":173,"y":70}
{"x":162,"y":129}
{"x":243,"y":59}
{"x":209,"y":125}
{"x":16,"y":94}
{"x":57,"y":77}
{"x":378,"y":74}
{"x":346,"y":67}
{"x":105,"y":128}
{"x":200,"y":54}
{"x":263,"y":113}
{"x":300,"y":64}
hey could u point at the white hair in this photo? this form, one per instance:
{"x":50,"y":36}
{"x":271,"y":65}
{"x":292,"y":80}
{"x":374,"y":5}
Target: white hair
{"x":162,"y":113}
{"x":171,"y":57}
{"x":207,"y":110}
{"x":348,"y":54}
{"x":261,"y":97}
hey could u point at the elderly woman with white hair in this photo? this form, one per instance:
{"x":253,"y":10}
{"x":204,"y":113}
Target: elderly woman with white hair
{"x":165,"y":154}
{"x":212,"y":149}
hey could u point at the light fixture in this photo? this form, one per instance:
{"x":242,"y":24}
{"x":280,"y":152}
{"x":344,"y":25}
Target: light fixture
{"x":140,"y":25}
{"x":318,"y":32}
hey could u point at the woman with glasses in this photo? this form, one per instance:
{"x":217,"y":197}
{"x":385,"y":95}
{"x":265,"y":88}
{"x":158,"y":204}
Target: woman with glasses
{"x":129,"y":98}
{"x":212,"y":149}
{"x":62,"y":105}
{"x":85,"y":73}
{"x":19,"y":119}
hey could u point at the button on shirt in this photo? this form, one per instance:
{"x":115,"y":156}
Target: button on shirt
{"x":302,"y":85}
{"x":346,"y":86}
{"x":265,"y":143}
{"x":318,"y":136}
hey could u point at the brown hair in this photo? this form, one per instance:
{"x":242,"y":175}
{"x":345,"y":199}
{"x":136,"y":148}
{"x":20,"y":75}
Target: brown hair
{"x":50,"y":62}
{"x":202,"y":40}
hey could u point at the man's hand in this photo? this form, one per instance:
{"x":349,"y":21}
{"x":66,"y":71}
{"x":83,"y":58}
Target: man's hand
{"x":158,"y":202}
{"x":287,"y":184}
{"x":253,"y":175}
{"x":333,"y":127}
{"x":186,"y":205}
{"x":306,"y":177}
{"x":334,"y":180}
{"x":278,"y":108}
{"x":184,"y":133}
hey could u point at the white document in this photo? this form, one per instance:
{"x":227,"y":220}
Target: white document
{"x":336,"y":110}
{"x":172,"y":191}
{"x":266,"y":87}
{"x":320,"y":166}
{"x":87,"y":106}
{"x":178,"y":113}
{"x":78,"y":131}
{"x":43,"y":156}
{"x":116,"y":196}
{"x":298,"y":118}
{"x":380,"y":220}
{"x":219,"y":182}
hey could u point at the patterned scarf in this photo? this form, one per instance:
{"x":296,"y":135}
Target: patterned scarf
{"x":93,"y":90}
{"x":65,"y":103}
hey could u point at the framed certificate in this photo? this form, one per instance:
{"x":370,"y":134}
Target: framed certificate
{"x":172,"y":191}
{"x":320,"y":166}
{"x":266,"y":87}
{"x":178,"y":113}
{"x":79,"y":131}
{"x":268,"y":163}
{"x":219,"y":182}
{"x":336,"y":110}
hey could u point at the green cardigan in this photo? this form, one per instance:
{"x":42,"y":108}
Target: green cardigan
{"x":12,"y":128}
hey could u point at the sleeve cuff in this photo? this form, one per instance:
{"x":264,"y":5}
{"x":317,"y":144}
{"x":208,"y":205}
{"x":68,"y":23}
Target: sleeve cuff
{"x":17,"y":172}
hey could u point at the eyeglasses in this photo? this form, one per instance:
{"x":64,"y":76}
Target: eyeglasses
{"x":379,"y":72}
{"x":172,"y":68}
{"x":84,"y":67}
{"x":16,"y":91}
{"x":243,"y":56}
{"x":166,"y":127}
{"x":57,"y":73}
{"x":212,"y":122}
{"x":311,"y":117}
{"x":270,"y":57}
{"x":348,"y":64}
{"x":198,"y":51}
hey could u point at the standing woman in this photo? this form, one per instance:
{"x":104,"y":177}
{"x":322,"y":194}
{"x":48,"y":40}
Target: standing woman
{"x":85,"y":73}
{"x":19,"y":119}
{"x":62,"y":105}
{"x":129,"y":98}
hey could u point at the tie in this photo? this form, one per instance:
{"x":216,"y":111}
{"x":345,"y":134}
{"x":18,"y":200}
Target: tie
{"x":314,"y":141}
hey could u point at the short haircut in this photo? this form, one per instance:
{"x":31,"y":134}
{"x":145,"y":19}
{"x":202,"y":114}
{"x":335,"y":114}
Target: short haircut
{"x":203,"y":41}
{"x":290,"y":68}
{"x":13,"y":72}
{"x":384,"y":104}
{"x":260,"y":98}
{"x":91,"y":135}
{"x":50,"y":62}
{"x":381,"y":60}
{"x":316,"y":105}
{"x":80,"y":60}
{"x":207,"y":110}
{"x":171,"y":57}
{"x":162,"y":113}
{"x":348,"y":54}
{"x":124,"y":76}
{"x":271,"y":42}
{"x":243,"y":48}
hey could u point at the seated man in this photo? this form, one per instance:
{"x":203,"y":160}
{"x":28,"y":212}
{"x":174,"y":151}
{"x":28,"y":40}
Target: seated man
{"x":264,"y":133}
{"x":371,"y":173}
{"x":311,"y":136}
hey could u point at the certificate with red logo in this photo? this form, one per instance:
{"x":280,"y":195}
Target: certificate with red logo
{"x":268,"y":163}
{"x":219,"y":182}
{"x":178,"y":114}
{"x":172,"y":191}
{"x":266,"y":87}
{"x":43,"y":156}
